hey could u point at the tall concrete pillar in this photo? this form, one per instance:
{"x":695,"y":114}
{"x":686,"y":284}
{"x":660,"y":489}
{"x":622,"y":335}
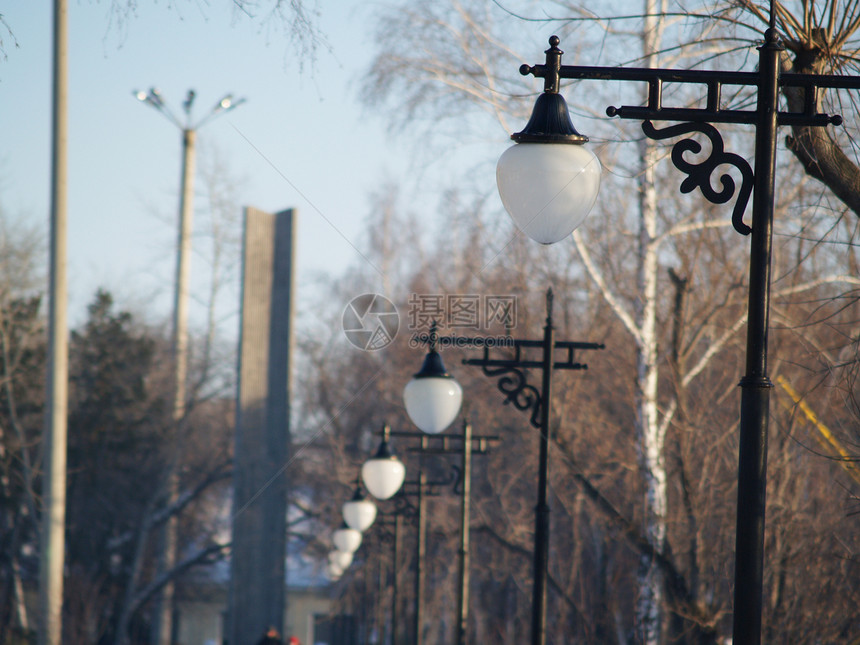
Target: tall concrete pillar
{"x":257,"y":597}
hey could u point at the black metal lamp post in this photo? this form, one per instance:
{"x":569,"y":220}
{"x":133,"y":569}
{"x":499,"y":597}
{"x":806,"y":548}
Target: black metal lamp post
{"x":553,"y":125}
{"x":392,"y":523}
{"x":360,"y":513}
{"x":419,"y":489}
{"x":465,"y":445}
{"x":514,"y":385}
{"x":395,"y":580}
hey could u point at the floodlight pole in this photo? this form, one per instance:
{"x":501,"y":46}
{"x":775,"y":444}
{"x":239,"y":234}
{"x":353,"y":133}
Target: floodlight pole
{"x":164,"y":627}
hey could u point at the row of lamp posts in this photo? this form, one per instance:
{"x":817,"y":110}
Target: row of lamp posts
{"x":384,"y":477}
{"x":432,"y":400}
{"x":549,"y":182}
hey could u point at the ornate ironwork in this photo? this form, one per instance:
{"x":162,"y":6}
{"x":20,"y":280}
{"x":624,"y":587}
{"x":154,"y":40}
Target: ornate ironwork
{"x":402,"y":507}
{"x":457,"y":473}
{"x":514,"y":385}
{"x":701,"y":174}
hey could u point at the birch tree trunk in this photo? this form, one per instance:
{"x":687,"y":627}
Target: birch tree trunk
{"x":650,"y":435}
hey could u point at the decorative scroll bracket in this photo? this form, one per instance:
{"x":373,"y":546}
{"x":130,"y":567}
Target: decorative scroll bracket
{"x":700,"y":175}
{"x":513,"y":384}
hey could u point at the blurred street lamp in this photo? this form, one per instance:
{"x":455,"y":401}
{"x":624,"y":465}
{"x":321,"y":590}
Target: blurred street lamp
{"x":432,"y":398}
{"x":333,"y":570}
{"x":465,"y":445}
{"x":383,"y":474}
{"x":359,"y":512}
{"x":189,"y":128}
{"x":346,"y":539}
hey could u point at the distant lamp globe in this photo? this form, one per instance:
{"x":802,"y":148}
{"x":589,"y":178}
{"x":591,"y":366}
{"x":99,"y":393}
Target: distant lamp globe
{"x":340,"y":559}
{"x":383,"y":474}
{"x":346,"y":539}
{"x":433,"y":398}
{"x":359,"y":513}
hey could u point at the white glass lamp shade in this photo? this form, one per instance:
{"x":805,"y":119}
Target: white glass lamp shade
{"x":383,"y":476}
{"x":346,"y":539}
{"x":359,"y":514}
{"x":340,"y":559}
{"x":433,"y":402}
{"x":548,"y":188}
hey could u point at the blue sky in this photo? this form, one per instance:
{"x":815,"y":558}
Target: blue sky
{"x":302,"y":140}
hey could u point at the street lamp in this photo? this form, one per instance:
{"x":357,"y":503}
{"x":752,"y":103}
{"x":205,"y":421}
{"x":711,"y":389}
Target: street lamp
{"x":346,"y":539}
{"x":393,"y":520}
{"x":465,"y":445}
{"x":383,"y":473}
{"x":154,"y":99}
{"x":432,"y":398}
{"x":359,"y":512}
{"x":189,"y":128}
{"x":513,"y":383}
{"x":390,"y":525}
{"x":333,"y":571}
{"x":755,"y":384}
{"x":548,"y":189}
{"x":420,"y":489}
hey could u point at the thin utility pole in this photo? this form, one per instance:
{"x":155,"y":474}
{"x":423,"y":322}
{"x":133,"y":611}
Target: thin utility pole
{"x":53,"y":545}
